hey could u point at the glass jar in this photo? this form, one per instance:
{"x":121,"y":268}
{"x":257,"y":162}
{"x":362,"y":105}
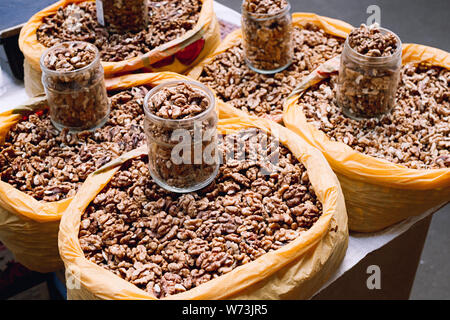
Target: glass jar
{"x":122,"y":15}
{"x":77,"y":99}
{"x":267,"y":38}
{"x":183,"y":154}
{"x":367,"y":85}
{"x":2,"y":84}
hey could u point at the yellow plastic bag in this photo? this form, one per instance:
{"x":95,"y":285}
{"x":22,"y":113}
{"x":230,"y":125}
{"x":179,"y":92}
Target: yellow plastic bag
{"x":205,"y":34}
{"x":331,"y":26}
{"x":377,"y":193}
{"x":28,"y":227}
{"x":295,"y":271}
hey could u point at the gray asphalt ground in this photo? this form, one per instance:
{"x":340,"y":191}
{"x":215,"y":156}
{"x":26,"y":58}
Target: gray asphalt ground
{"x":415,"y":21}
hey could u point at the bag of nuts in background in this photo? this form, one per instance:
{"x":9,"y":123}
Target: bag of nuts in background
{"x":41,"y":168}
{"x":179,"y":34}
{"x":29,"y":228}
{"x":315,"y":40}
{"x":289,"y":262}
{"x":391,"y":168}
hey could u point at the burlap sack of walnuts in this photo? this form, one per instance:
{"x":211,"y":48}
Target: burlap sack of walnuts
{"x":207,"y":31}
{"x":378,"y":193}
{"x":295,"y":271}
{"x":28,"y":227}
{"x":329,"y":25}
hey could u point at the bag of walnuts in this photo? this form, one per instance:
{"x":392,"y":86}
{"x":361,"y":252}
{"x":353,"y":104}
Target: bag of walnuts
{"x":28,"y":227}
{"x":222,"y":242}
{"x":179,"y":35}
{"x":42,"y":168}
{"x":391,"y":168}
{"x":315,"y":40}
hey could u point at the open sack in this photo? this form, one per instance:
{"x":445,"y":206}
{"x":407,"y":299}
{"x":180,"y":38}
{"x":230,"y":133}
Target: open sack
{"x":294,"y":271}
{"x":178,"y":55}
{"x":378,"y":193}
{"x":332,"y":27}
{"x":28,"y":227}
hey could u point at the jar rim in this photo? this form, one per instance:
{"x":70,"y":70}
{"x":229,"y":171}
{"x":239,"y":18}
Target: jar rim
{"x":267,"y":16}
{"x":201,"y":115}
{"x":381,"y":59}
{"x":72,"y":72}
